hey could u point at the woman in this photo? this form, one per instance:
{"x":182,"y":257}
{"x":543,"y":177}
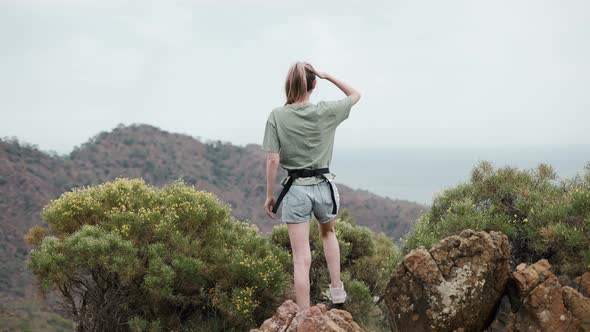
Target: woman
{"x":300,"y":135}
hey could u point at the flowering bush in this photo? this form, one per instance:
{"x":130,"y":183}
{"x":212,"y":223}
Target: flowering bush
{"x":543,"y":217}
{"x":125,"y":255}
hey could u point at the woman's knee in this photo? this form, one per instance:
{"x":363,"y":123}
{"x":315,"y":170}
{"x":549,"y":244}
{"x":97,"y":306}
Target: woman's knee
{"x":303,"y":260}
{"x":326,"y":229}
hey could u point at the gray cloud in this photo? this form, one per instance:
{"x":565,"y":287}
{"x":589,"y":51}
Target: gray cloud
{"x":432,"y":73}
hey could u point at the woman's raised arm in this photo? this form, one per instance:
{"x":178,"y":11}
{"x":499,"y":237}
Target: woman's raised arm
{"x":347,"y":89}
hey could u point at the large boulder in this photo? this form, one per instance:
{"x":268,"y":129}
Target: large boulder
{"x":289,"y":318}
{"x":456,"y":285}
{"x":536,"y":301}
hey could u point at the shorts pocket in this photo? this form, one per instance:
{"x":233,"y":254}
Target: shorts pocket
{"x":295,"y":197}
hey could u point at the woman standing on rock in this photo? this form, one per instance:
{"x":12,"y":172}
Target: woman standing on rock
{"x":300,"y":136}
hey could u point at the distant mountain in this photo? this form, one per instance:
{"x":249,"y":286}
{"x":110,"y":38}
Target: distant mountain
{"x":29,"y":178}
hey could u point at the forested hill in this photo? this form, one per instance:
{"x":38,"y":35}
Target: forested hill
{"x":29,"y":178}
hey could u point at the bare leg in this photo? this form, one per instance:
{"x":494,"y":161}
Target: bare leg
{"x":299,"y":237}
{"x":331,"y":251}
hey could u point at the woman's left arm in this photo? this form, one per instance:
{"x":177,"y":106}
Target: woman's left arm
{"x":272,"y":165}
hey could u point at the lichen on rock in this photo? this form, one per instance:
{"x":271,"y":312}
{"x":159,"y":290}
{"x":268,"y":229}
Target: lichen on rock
{"x":455,"y":285}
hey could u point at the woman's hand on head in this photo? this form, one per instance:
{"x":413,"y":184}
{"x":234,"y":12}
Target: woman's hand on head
{"x":321,"y":74}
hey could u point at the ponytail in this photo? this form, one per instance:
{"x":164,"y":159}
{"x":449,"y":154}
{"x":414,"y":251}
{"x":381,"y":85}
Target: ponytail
{"x":300,"y":80}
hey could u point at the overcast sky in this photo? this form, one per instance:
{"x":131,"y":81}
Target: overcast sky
{"x":432,"y":73}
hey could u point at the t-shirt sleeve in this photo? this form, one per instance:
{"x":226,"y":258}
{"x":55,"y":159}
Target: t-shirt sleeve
{"x":270,"y":142}
{"x":340,"y":109}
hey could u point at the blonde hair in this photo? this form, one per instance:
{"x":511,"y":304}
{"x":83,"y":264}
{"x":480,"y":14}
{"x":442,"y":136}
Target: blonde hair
{"x":300,"y":80}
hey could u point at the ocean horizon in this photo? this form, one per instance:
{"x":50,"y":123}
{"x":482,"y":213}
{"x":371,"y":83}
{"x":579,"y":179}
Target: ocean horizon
{"x":417,"y":173}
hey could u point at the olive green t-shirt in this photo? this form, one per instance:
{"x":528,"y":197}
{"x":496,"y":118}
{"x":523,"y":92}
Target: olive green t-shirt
{"x":303,"y":134}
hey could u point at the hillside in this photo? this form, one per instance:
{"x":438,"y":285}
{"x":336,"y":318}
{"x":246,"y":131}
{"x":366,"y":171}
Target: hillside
{"x":29,"y":178}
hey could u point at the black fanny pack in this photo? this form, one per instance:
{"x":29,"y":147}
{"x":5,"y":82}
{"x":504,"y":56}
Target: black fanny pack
{"x":304,"y":173}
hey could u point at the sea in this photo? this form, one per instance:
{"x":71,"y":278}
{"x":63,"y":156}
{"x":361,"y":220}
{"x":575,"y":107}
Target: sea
{"x":418,"y":173}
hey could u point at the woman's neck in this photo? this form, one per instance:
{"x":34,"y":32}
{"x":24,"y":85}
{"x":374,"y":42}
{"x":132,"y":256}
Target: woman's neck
{"x":302,"y":101}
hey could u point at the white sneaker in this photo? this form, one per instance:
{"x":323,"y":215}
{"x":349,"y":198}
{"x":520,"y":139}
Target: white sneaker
{"x":338,"y":295}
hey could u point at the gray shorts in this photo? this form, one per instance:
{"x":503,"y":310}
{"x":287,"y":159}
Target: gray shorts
{"x":301,"y":200}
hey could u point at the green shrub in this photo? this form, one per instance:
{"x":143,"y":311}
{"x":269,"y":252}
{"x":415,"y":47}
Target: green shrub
{"x":367,"y":261}
{"x":126,"y":255}
{"x":543,"y":217}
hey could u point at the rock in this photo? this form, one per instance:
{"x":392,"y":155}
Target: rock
{"x":539,"y":302}
{"x":289,"y":318}
{"x":523,"y":281}
{"x":456,"y":285}
{"x":579,"y":306}
{"x":282,"y":317}
{"x":583,"y":284}
{"x":535,"y":294}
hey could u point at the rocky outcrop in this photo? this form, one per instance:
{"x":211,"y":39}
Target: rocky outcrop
{"x":536,"y":301}
{"x":463,"y":283}
{"x":583,"y":284}
{"x":456,"y":285}
{"x":579,"y":306}
{"x":289,"y":318}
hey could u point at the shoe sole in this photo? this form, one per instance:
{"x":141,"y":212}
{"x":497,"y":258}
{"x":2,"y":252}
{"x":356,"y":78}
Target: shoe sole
{"x":335,"y":306}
